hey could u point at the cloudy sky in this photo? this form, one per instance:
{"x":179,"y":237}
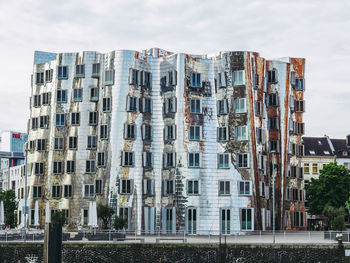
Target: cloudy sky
{"x":315,"y":29}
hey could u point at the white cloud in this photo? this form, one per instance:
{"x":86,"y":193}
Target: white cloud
{"x":316,"y":30}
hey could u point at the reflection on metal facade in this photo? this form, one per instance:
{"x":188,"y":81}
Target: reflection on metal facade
{"x":173,"y":141}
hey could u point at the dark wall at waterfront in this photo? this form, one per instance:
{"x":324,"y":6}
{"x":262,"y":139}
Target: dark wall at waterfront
{"x":88,"y":253}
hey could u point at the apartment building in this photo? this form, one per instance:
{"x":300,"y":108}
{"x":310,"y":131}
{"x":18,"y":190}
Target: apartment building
{"x":173,"y":141}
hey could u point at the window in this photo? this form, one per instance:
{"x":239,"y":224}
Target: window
{"x":192,"y":187}
{"x":238,"y":77}
{"x":59,"y":143}
{"x":306,"y":168}
{"x":299,"y":128}
{"x":93,"y":118}
{"x":146,"y":132}
{"x":37,"y":191}
{"x":109,"y":77}
{"x":44,"y":122}
{"x":57,"y":167}
{"x":242,"y":160}
{"x":168,"y":187}
{"x":72,"y":142}
{"x":34,"y":123}
{"x":101,"y":159}
{"x":128,"y":158}
{"x":299,"y":105}
{"x":80,"y":71}
{"x":222,"y":134}
{"x":41,"y":145}
{"x":195,"y":133}
{"x":256,"y":81}
{"x":94,"y":94}
{"x":221,"y":80}
{"x":196,"y":80}
{"x":56,"y":191}
{"x":66,"y":216}
{"x":46,"y":98}
{"x":89,"y":190}
{"x":70,"y":166}
{"x":193,"y":160}
{"x":170,"y":132}
{"x":272,"y":76}
{"x":292,"y":78}
{"x":247,"y":219}
{"x":273,"y":123}
{"x":96,"y":70}
{"x":67,"y":190}
{"x":32,"y":145}
{"x":133,"y":76}
{"x":241,"y":133}
{"x":314,"y":168}
{"x":147,"y":159}
{"x":85,"y":217}
{"x":103,"y":131}
{"x":196,"y":106}
{"x":60,"y":119}
{"x":132,"y":104}
{"x":61,"y":96}
{"x":62,"y":72}
{"x":91,"y":142}
{"x":39,"y":78}
{"x":169,"y":159}
{"x":223,"y":160}
{"x":222,"y":107}
{"x":48,"y":75}
{"x":75,"y":118}
{"x":244,"y":188}
{"x":77,"y":94}
{"x":146,"y":105}
{"x":129,"y":131}
{"x":224,"y":187}
{"x":225,"y":220}
{"x":32,"y":216}
{"x":37,"y":100}
{"x":38,"y":168}
{"x":240,"y":105}
{"x":191,"y":220}
{"x":126,"y":186}
{"x":99,"y":187}
{"x":170,"y":105}
{"x":299,"y":84}
{"x":272,"y":100}
{"x":145,"y":78}
{"x":106,"y":105}
{"x":125,"y":212}
{"x":258,"y":108}
{"x":171,"y":78}
{"x":148,"y":187}
{"x":274,"y":146}
{"x":90,"y":166}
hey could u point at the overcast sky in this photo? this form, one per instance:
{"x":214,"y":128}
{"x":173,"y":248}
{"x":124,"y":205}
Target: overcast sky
{"x":318,"y":30}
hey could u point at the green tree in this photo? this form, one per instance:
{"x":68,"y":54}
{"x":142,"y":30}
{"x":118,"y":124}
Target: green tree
{"x":58,"y":217}
{"x":10,"y":205}
{"x":105,"y":213}
{"x":120,"y":222}
{"x":335,"y":217}
{"x":330,"y":189}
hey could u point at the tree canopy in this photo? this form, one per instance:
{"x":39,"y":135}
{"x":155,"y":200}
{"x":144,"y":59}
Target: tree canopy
{"x":105,"y":212}
{"x":10,"y":205}
{"x":330,"y":189}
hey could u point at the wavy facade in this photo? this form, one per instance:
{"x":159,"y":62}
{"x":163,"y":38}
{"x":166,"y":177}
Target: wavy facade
{"x":172,"y":141}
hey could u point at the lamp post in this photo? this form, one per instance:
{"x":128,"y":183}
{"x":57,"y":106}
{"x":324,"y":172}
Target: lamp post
{"x":273,"y":197}
{"x":25,"y":192}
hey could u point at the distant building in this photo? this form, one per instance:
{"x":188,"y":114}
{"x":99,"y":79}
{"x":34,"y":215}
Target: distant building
{"x":320,"y":151}
{"x":12,"y":148}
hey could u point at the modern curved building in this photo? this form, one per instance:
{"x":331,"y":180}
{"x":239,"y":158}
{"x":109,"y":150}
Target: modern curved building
{"x":173,"y":141}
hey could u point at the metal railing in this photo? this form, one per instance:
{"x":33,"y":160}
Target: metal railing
{"x":318,"y":237}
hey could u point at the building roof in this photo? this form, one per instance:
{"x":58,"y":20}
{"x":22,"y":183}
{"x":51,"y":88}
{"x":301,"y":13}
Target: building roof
{"x":341,"y":149}
{"x":317,"y":146}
